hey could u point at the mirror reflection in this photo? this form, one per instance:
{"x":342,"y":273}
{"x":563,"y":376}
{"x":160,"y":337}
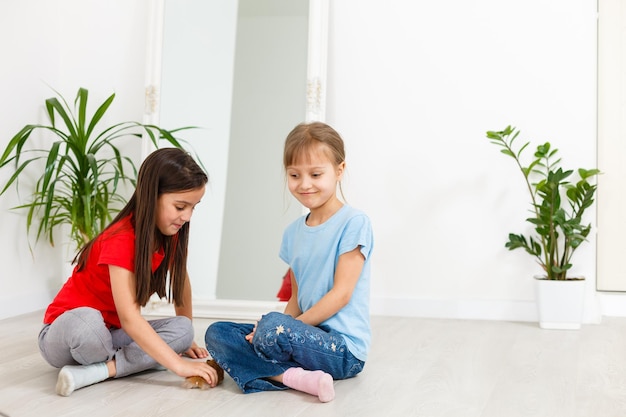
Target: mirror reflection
{"x":238,"y":70}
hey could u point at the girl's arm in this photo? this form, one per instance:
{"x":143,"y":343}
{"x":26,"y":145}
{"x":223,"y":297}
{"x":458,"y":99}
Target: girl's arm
{"x":195,"y":351}
{"x":129,"y":312}
{"x":349,"y":267}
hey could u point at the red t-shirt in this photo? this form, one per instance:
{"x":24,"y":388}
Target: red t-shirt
{"x":91,"y":287}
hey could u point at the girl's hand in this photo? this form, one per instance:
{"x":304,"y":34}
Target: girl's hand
{"x":196,"y":352}
{"x":251,"y":334}
{"x":189,"y":368}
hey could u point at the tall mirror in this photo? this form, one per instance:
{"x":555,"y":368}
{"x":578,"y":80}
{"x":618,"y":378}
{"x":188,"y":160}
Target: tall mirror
{"x":245,"y":72}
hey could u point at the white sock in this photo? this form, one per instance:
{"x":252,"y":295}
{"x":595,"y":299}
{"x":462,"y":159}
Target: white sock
{"x":72,"y":378}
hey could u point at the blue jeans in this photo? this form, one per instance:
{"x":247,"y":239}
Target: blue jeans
{"x":280,"y":342}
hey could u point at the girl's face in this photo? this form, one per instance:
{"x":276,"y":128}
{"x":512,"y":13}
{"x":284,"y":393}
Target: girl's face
{"x":313,"y":180}
{"x":175,"y":209}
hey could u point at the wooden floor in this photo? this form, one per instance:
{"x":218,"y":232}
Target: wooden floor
{"x":417,"y":367}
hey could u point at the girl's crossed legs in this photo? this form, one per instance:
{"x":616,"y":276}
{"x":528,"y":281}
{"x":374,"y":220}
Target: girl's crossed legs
{"x":79,"y":341}
{"x":281,"y":345}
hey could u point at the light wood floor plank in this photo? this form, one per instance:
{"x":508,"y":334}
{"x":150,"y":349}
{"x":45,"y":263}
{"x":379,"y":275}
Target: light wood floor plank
{"x":417,"y":367}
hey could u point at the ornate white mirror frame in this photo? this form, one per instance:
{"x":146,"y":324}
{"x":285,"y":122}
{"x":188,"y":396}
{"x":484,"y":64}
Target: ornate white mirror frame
{"x":316,"y":69}
{"x":315,"y":110}
{"x":316,"y":66}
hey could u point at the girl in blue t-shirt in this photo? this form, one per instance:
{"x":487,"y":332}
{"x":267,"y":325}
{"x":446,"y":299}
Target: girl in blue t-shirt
{"x":324,"y":333}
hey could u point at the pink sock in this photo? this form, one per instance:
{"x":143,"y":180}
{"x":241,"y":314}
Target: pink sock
{"x":312,"y":382}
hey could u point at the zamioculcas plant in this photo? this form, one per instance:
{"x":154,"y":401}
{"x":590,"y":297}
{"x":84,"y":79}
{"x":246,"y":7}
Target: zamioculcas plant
{"x":557,"y":205}
{"x":81,"y":182}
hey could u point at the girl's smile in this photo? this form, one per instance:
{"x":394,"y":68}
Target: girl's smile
{"x":313,"y":182}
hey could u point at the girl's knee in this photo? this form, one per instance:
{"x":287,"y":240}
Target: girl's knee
{"x":183,"y":323}
{"x":184,"y":328}
{"x":271,"y":320}
{"x":176,"y":331}
{"x":225,"y":334}
{"x":78,"y":336}
{"x":81,"y":317}
{"x":216,"y":332}
{"x":81,"y":326}
{"x":274,"y":315}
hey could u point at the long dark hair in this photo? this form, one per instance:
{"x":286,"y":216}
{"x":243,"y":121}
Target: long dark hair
{"x":166,"y":170}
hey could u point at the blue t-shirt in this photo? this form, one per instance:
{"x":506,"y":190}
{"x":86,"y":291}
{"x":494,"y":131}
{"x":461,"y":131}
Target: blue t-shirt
{"x":312,"y":254}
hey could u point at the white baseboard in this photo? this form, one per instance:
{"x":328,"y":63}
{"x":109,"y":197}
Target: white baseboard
{"x":508,"y":310}
{"x":481,"y":309}
{"x":613,"y":304}
{"x":449,"y":309}
{"x":606,"y":304}
{"x":245,"y":310}
{"x":504,"y":310}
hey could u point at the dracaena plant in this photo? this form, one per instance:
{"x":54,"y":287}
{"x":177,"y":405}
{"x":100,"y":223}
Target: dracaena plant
{"x":558,"y":202}
{"x":82,"y":181}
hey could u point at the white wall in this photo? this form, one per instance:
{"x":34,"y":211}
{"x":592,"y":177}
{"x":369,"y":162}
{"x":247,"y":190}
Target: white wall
{"x":63,"y":44}
{"x":412,"y":87}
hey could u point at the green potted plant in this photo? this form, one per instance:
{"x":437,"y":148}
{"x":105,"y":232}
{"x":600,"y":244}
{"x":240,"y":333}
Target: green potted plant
{"x":82,"y":182}
{"x":558,"y":204}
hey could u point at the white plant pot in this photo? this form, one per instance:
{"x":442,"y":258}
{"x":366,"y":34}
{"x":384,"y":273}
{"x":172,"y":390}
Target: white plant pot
{"x":560,"y":303}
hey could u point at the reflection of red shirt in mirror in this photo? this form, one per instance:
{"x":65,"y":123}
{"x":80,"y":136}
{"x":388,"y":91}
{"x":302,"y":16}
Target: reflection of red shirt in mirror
{"x":91,"y":287}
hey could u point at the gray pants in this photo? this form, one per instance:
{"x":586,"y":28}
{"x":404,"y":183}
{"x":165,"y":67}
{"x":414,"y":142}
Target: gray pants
{"x":80,"y":337}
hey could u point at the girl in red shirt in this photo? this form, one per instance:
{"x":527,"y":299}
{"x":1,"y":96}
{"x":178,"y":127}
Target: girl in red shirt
{"x":93,"y":329}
